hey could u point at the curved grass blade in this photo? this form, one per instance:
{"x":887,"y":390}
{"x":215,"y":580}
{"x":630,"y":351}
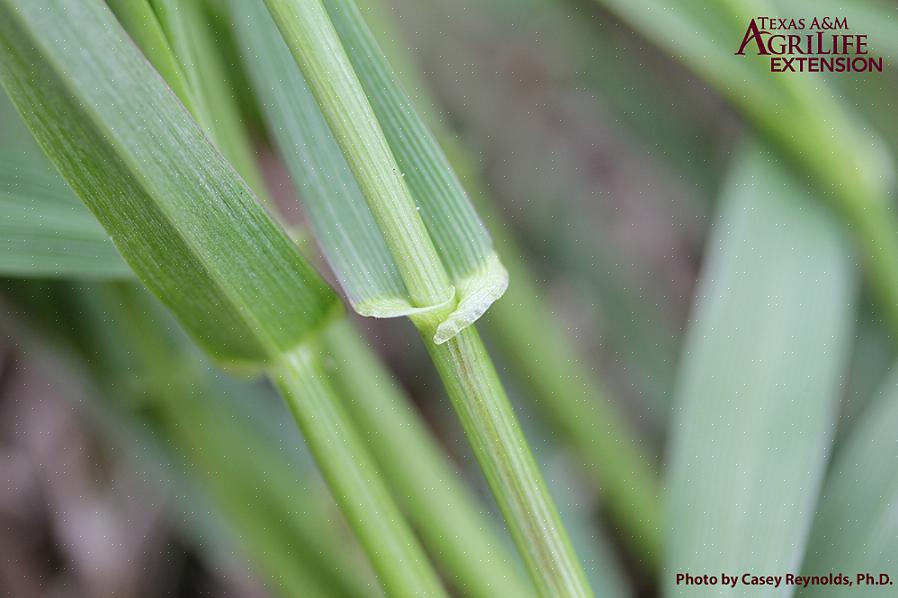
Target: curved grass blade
{"x":800,"y":115}
{"x":177,"y":212}
{"x":759,"y":383}
{"x":856,"y":530}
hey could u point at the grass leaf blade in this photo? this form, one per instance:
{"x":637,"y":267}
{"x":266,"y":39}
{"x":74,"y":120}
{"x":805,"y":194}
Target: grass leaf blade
{"x":347,"y":232}
{"x":856,"y":529}
{"x":252,"y":292}
{"x":759,"y":383}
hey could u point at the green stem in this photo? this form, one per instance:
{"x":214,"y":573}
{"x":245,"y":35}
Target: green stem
{"x":503,"y":454}
{"x":450,"y":519}
{"x":355,"y":482}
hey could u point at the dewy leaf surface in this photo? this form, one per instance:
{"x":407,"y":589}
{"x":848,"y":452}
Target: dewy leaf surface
{"x":856,"y":529}
{"x":758,"y":383}
{"x":179,"y":214}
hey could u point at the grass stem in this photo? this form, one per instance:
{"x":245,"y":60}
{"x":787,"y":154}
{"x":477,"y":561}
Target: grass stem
{"x":448,"y":517}
{"x":506,"y":460}
{"x":355,"y":482}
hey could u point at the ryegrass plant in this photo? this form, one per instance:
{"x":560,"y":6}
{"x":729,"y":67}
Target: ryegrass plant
{"x":175,"y":183}
{"x":524,"y":325}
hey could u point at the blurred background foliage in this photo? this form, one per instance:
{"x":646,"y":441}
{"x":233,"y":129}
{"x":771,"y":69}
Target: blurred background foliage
{"x":602,"y":153}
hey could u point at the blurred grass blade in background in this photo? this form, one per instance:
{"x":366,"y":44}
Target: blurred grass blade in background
{"x":759,"y":381}
{"x":221,"y":443}
{"x":193,"y":232}
{"x":849,"y":164}
{"x":446,"y":306}
{"x":45,"y":232}
{"x":856,"y":529}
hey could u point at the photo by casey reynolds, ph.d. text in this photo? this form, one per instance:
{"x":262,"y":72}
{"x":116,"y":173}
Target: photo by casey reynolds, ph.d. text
{"x":787,"y":579}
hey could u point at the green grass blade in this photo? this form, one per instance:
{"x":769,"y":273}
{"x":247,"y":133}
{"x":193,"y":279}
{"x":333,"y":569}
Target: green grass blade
{"x":142,"y":24}
{"x":348,"y":235}
{"x":181,"y":217}
{"x":856,"y":529}
{"x":189,"y":31}
{"x":310,"y":35}
{"x":759,"y":382}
